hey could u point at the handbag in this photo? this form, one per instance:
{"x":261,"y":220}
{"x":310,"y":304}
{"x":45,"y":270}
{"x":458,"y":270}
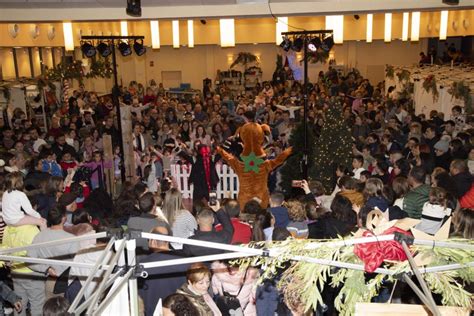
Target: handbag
{"x":229,"y":304}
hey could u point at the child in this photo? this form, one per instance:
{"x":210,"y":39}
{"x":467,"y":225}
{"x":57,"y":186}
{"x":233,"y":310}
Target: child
{"x":51,"y":166}
{"x":357,"y":163}
{"x":6,"y":294}
{"x":297,"y":227}
{"x":434,"y":211}
{"x":97,"y":175}
{"x":278,"y":211}
{"x":67,"y":163}
{"x":15,"y":204}
{"x":149,"y":174}
{"x":117,"y":164}
{"x":364,"y":176}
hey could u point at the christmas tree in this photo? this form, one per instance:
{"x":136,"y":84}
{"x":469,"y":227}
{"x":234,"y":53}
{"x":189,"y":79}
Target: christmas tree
{"x":333,"y":147}
{"x":293,"y":168}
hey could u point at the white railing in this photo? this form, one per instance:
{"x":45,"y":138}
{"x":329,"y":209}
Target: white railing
{"x":228,"y":185}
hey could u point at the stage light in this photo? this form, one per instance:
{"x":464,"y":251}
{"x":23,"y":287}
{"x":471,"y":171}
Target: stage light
{"x":314,"y":44}
{"x":88,"y":49}
{"x":124,"y":49}
{"x":134,"y":8}
{"x":104,"y":49}
{"x":328,"y":43}
{"x":285,"y":44}
{"x":139,"y":48}
{"x":297,"y":44}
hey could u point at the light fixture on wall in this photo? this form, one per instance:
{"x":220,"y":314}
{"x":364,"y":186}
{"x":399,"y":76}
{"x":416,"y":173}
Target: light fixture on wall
{"x":124,"y":48}
{"x":190,"y":33}
{"x":104,"y":49}
{"x":51,"y":32}
{"x":336,"y":24}
{"x":68,"y":38}
{"x":175,"y":27}
{"x":388,"y":27}
{"x":139,"y":48}
{"x":155,"y":34}
{"x":443,"y":25}
{"x":281,"y":26}
{"x":370,"y":23}
{"x":286,"y":44}
{"x":227,"y":32}
{"x":406,"y":21}
{"x":88,"y":49}
{"x":415,"y":26}
{"x":124,"y":28}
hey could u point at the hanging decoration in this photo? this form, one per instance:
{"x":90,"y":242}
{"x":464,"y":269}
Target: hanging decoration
{"x":430,"y":86}
{"x":304,"y":282}
{"x":389,"y":71}
{"x":100,"y":68}
{"x":245,"y":59}
{"x":65,"y":71}
{"x":403,"y":75}
{"x":461,"y":90}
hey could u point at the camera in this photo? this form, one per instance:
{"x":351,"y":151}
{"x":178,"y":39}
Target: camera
{"x":296,"y":183}
{"x":212,"y":198}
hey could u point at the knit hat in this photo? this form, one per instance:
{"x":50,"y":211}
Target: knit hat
{"x":442,"y":145}
{"x":38,"y":143}
{"x":67,"y":199}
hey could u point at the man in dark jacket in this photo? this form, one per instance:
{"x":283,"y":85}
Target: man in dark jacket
{"x":161,"y":281}
{"x":60,"y":147}
{"x":206,"y":232}
{"x":461,"y":176}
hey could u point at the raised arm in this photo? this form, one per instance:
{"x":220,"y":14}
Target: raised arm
{"x":229,"y":158}
{"x":272,"y":164}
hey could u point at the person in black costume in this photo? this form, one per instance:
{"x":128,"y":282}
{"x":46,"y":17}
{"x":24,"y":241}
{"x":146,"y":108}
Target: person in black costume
{"x":203,"y":173}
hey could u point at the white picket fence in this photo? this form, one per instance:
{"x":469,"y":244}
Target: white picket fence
{"x":228,"y":185}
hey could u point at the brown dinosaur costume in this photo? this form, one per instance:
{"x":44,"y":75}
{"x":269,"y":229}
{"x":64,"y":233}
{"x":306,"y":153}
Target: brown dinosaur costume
{"x":253,"y":171}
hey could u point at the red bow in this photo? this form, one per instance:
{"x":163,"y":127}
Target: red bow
{"x":374,"y":253}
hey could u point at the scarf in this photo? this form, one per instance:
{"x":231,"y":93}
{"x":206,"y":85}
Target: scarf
{"x":206,"y":162}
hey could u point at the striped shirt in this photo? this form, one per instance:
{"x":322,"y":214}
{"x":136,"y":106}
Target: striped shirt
{"x":184,"y":226}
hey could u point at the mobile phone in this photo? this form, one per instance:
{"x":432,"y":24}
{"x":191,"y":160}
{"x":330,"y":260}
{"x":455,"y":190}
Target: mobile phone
{"x":296,"y":183}
{"x":212,"y":198}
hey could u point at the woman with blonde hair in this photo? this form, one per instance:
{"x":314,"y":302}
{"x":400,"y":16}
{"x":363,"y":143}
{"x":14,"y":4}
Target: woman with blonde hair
{"x":182,"y":222}
{"x":297,"y":226}
{"x":196,"y":289}
{"x":373,"y":193}
{"x":463,"y":222}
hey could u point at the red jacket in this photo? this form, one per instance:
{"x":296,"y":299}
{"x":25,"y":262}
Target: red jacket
{"x":467,"y":200}
{"x":242,"y":232}
{"x":85,"y":193}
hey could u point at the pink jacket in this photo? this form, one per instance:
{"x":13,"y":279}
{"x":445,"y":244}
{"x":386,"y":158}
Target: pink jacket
{"x":232,"y":280}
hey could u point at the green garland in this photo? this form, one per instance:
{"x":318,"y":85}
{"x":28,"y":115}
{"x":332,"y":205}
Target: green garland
{"x":319,"y":56}
{"x":100,"y":68}
{"x":461,"y":90}
{"x":389,"y":71}
{"x":407,"y":91}
{"x":430,"y":86}
{"x":403,"y":75}
{"x":304,"y":282}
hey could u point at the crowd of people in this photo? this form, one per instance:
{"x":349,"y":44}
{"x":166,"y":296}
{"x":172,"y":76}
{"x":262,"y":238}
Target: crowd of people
{"x":53,"y":187}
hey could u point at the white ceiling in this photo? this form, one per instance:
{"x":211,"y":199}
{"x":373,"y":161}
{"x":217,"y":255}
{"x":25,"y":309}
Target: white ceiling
{"x":105,"y":3}
{"x":90,"y":10}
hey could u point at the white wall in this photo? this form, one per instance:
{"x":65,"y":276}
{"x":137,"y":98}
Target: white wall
{"x":203,"y":61}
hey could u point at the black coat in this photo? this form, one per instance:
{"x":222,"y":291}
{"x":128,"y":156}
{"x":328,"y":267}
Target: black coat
{"x":198,"y":177}
{"x":329,"y":227}
{"x":162,"y":281}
